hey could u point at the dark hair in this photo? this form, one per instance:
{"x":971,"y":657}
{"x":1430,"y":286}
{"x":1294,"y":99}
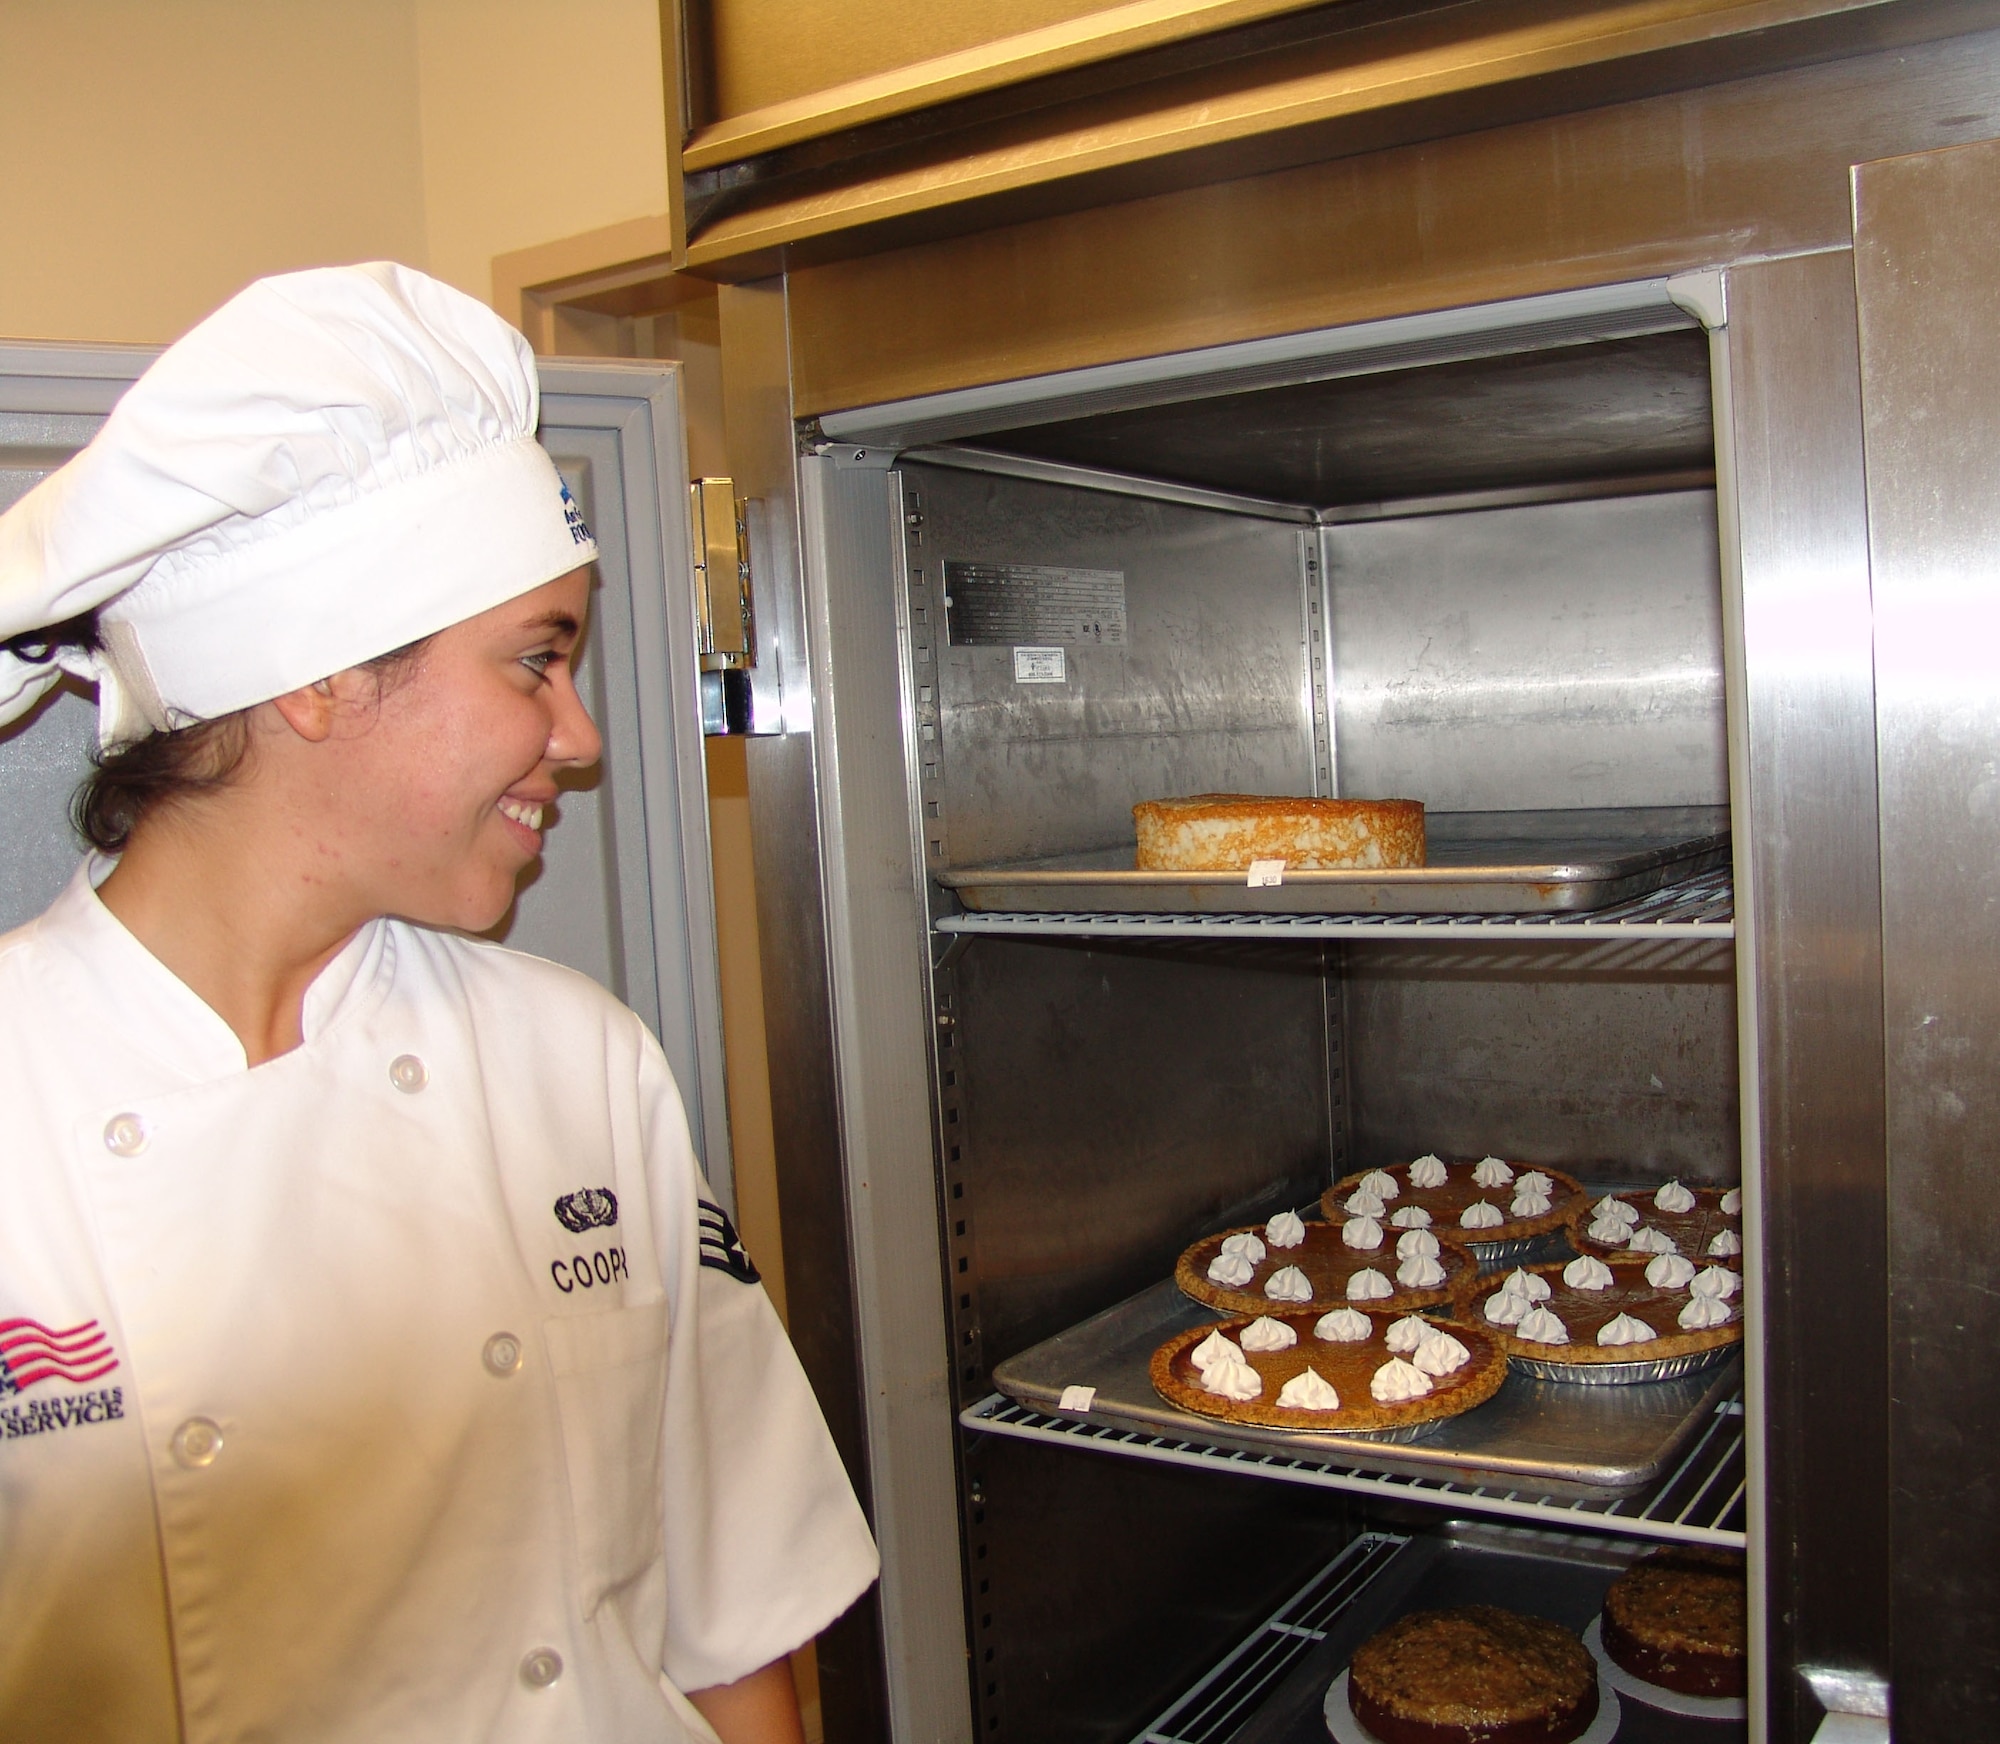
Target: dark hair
{"x":129,"y":781}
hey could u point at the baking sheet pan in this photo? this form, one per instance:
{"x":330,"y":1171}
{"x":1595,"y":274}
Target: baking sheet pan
{"x":1480,"y":862}
{"x":1474,"y":1564}
{"x":1531,"y":1435}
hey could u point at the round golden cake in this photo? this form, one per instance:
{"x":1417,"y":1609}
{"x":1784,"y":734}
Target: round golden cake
{"x":1477,"y":1675}
{"x":1348,"y":1368}
{"x":1584,"y":1313}
{"x":1447,"y":1204}
{"x":1692,"y":1231}
{"x":1225,"y":832}
{"x":1328,"y":1264}
{"x":1679,"y":1618}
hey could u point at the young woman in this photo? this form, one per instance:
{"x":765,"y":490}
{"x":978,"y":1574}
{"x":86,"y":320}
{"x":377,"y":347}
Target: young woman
{"x":374,"y":1363}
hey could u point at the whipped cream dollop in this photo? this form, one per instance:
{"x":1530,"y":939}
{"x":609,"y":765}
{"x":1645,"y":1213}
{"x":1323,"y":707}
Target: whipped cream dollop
{"x":1397,"y":1381}
{"x":1288,"y":1284}
{"x":1480,"y":1215}
{"x":1529,"y":1286}
{"x":1534,"y":1181}
{"x":1287,"y":1229}
{"x":1441,"y":1354}
{"x":1361,"y":1232}
{"x":1420,"y":1272}
{"x":1381,"y":1183}
{"x":1368,"y":1285}
{"x":1652,"y":1241}
{"x":1214,"y":1348}
{"x":1541,"y":1326}
{"x":1428,"y":1171}
{"x":1310,"y":1391}
{"x":1264,"y":1333}
{"x":1587,"y":1273}
{"x":1623,"y":1329}
{"x":1716,"y":1281}
{"x":1360,"y":1204}
{"x":1732,"y":1202}
{"x":1231,"y":1270}
{"x":1244,"y":1242}
{"x":1491,"y":1172}
{"x":1609,"y":1231}
{"x":1615,"y":1210}
{"x":1669,"y":1272}
{"x":1232,"y":1379}
{"x":1343,"y":1325}
{"x":1726,"y":1245}
{"x":1701,"y":1312}
{"x":1674,"y":1197}
{"x":1414,"y":1242}
{"x":1406,"y":1334}
{"x":1528,"y":1204}
{"x":1504,"y":1308}
{"x":1411,"y":1217}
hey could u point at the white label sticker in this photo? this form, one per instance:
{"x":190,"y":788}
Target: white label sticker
{"x":1266,"y":874}
{"x":1040,"y":666}
{"x":1078,"y":1398}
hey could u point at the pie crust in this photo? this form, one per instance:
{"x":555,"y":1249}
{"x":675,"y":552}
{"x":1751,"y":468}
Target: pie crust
{"x":1691,"y":1231}
{"x":1327,"y":1263}
{"x":1447,"y":1202}
{"x":1348,"y":1368}
{"x":1475,"y":1675}
{"x":1582,"y":1312}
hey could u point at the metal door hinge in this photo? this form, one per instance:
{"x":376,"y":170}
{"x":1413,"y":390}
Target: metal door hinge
{"x":1856,"y":1703}
{"x":726,"y":623}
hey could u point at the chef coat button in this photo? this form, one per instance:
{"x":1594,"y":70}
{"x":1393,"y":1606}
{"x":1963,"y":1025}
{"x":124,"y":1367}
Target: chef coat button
{"x":196,"y":1443}
{"x":125,"y":1135}
{"x":541,"y":1668}
{"x":408,"y":1073}
{"x":502,"y":1355}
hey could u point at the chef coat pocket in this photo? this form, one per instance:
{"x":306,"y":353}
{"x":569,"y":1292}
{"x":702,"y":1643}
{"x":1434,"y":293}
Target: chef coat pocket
{"x":611,"y":1385}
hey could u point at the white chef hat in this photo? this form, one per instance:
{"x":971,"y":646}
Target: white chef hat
{"x":333,"y":464}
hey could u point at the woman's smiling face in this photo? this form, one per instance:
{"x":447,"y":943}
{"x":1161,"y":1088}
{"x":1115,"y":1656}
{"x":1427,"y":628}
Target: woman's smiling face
{"x":440,"y":778}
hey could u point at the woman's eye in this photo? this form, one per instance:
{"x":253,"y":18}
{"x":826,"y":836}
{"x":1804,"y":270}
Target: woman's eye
{"x":538,"y":664}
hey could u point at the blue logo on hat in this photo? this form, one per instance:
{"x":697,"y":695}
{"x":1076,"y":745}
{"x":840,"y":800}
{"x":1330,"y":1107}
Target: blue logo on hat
{"x":579,"y":529}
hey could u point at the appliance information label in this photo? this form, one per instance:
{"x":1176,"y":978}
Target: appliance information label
{"x":1009,"y":604}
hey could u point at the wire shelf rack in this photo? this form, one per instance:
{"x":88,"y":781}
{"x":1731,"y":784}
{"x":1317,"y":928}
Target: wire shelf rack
{"x":1238,"y":1684}
{"x":1702,"y":907}
{"x":1700,"y":1501}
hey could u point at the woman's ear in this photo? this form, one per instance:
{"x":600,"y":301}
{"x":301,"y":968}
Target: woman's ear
{"x":310,"y":710}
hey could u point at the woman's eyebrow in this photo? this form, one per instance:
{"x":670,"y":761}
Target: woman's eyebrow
{"x":561,"y":622}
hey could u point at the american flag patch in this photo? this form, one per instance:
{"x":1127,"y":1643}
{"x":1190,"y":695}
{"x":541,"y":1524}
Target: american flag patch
{"x":31,"y":1353}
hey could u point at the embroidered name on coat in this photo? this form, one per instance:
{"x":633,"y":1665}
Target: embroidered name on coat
{"x":722,"y":1248}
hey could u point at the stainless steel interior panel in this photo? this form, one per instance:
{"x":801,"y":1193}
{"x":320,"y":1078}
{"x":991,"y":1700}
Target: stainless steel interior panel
{"x":1814,"y":891}
{"x":1114,"y":1102}
{"x":1577,"y":412}
{"x":876,"y":935}
{"x":1209,"y":694}
{"x":1926,"y":265}
{"x":1617,"y":1061}
{"x":791,"y":925}
{"x":1563,"y":654}
{"x":1543,"y":1437}
{"x":1490,"y":862}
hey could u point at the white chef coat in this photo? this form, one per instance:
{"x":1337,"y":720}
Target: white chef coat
{"x":406,"y":1387}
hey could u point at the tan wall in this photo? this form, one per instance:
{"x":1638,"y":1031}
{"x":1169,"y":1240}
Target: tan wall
{"x":159,"y":155}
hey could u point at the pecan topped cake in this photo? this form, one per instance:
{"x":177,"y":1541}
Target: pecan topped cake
{"x":1679,"y":1618}
{"x":1225,"y":832}
{"x":1704,"y":1224}
{"x":1483,"y":1201}
{"x":1478,"y":1675}
{"x":1289,"y":1263}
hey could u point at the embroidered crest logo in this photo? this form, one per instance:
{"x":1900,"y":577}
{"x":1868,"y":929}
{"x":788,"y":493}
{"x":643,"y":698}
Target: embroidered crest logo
{"x":579,"y":528}
{"x":722,"y":1248}
{"x":589,"y":1208}
{"x":31,"y":1353}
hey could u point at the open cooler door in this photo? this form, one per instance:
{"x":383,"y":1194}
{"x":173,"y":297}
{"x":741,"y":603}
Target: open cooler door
{"x":623,"y":891}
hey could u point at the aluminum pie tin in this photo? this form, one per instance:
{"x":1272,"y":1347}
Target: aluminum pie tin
{"x":1623,"y":1374}
{"x":1494,"y":1255}
{"x":1401,"y":1435}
